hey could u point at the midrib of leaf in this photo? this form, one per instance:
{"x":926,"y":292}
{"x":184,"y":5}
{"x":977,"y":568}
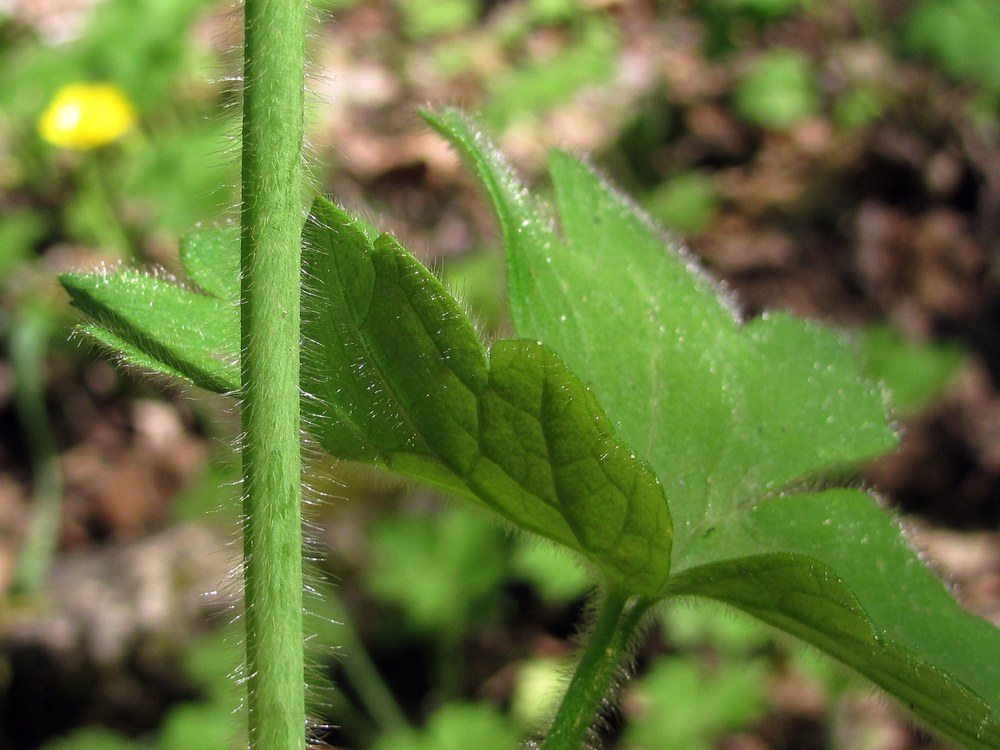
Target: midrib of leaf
{"x":372,"y":363}
{"x":455,"y":477}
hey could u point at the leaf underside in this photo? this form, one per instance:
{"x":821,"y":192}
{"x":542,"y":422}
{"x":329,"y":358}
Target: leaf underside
{"x":395,"y":374}
{"x":159,"y":325}
{"x":731,"y":416}
{"x":833,"y":569}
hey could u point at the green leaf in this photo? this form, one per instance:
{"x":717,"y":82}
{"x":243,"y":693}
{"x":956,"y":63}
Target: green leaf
{"x":457,"y":726}
{"x":127,"y":353}
{"x":779,"y":91}
{"x":176,"y":177}
{"x":556,"y":576}
{"x":534,"y":88}
{"x":699,"y":625}
{"x":198,"y":726}
{"x":730,"y":415}
{"x":725,"y":414}
{"x":961,"y":35}
{"x":834,"y":570}
{"x":156,"y":324}
{"x":685,"y":201}
{"x":913,"y":372}
{"x":443,"y":571}
{"x":423,"y":18}
{"x":395,"y":374}
{"x":160,"y":325}
{"x":19,"y":231}
{"x":681,"y":705}
{"x":94,"y":738}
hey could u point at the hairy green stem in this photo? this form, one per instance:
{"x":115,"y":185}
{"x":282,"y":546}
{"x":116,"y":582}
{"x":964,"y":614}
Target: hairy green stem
{"x":601,"y":661}
{"x":274,"y":60}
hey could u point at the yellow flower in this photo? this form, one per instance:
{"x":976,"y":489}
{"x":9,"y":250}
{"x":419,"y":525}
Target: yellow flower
{"x":86,"y":115}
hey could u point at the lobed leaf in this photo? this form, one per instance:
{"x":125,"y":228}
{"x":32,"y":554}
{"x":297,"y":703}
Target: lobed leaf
{"x":729,"y":415}
{"x":395,"y":374}
{"x":725,"y":414}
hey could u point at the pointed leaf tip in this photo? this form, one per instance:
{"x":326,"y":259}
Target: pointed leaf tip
{"x":160,"y":325}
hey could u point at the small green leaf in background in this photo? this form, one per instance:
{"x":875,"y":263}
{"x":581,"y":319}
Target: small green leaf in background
{"x":557,"y":577}
{"x":680,"y":704}
{"x":211,"y":723}
{"x":539,"y":686}
{"x":779,"y":90}
{"x":727,"y":22}
{"x":211,"y":661}
{"x":859,"y":106}
{"x":198,"y":726}
{"x":912,"y":372}
{"x":554,"y":11}
{"x":696,"y":624}
{"x":761,"y":8}
{"x":182,"y":176}
{"x":477,"y":281}
{"x":422,"y":18}
{"x":95,"y":738}
{"x":444,"y":571}
{"x":19,"y":231}
{"x":684,"y":202}
{"x":531,"y":89}
{"x":457,"y":726}
{"x":963,"y":36}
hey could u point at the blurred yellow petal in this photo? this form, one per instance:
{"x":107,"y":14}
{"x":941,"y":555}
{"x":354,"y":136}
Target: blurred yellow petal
{"x":86,"y":115}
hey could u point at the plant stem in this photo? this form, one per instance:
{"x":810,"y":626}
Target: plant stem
{"x":28,"y":344}
{"x":109,"y":232}
{"x":361,"y":672}
{"x":274,"y":60}
{"x":594,"y":677}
